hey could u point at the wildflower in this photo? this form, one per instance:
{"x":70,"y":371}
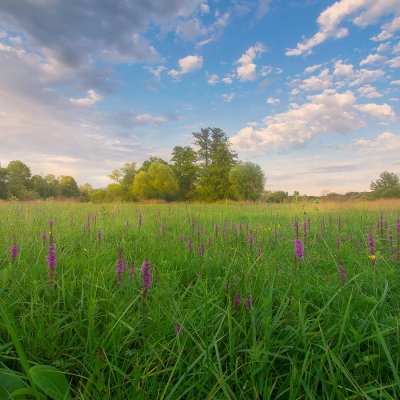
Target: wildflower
{"x":146,"y":274}
{"x":372,"y":257}
{"x":120,"y":266}
{"x":371,"y":244}
{"x":140,"y":220}
{"x":200,"y":250}
{"x":248,"y":302}
{"x":181,"y":238}
{"x":305,"y":230}
{"x":190,"y":244}
{"x":132,"y":270}
{"x":342,"y":274}
{"x":296,"y":228}
{"x":51,"y":261}
{"x":99,"y":234}
{"x":44,"y":236}
{"x":251,"y":239}
{"x":237,"y":299}
{"x":14,"y":251}
{"x":178,"y":329}
{"x":338,"y":241}
{"x":299,"y":250}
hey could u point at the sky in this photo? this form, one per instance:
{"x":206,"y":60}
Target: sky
{"x":307,"y":89}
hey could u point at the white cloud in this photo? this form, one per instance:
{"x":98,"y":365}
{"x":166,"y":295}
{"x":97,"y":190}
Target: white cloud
{"x":323,"y":113}
{"x":91,"y":98}
{"x":227,"y":80}
{"x":394,"y":62}
{"x":372,"y":59}
{"x":396,"y":48}
{"x":204,"y":8}
{"x":273,"y":101}
{"x":383,"y":47}
{"x":228,"y":97}
{"x":247,"y":70}
{"x":213,"y":79}
{"x":262,"y":9}
{"x":266,"y":70}
{"x":148,"y":118}
{"x":312,"y":68}
{"x":156,"y":71}
{"x":385,"y":142}
{"x":395,"y":82}
{"x":191,"y":29}
{"x":187,"y":64}
{"x":367,"y":75}
{"x":330,"y":20}
{"x":317,"y":82}
{"x":383,"y":112}
{"x":368,"y":91}
{"x":388,"y":30}
{"x":342,"y":69}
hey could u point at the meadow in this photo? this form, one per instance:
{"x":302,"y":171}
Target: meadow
{"x":175,"y":301}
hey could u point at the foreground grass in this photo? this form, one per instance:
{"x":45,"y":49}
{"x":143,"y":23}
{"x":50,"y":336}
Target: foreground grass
{"x":297,"y":332}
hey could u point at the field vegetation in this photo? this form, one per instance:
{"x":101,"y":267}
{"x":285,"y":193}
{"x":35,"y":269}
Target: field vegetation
{"x":176,"y":301}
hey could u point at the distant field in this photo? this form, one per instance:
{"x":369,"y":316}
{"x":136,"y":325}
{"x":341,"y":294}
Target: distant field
{"x":292,"y":301}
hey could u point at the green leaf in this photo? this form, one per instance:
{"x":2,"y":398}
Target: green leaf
{"x":9,"y":382}
{"x":4,"y":276}
{"x":51,"y":381}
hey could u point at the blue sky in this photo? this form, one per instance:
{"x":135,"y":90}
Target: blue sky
{"x":307,"y":89}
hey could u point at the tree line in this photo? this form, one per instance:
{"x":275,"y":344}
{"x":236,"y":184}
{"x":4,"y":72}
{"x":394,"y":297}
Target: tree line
{"x":210,"y":171}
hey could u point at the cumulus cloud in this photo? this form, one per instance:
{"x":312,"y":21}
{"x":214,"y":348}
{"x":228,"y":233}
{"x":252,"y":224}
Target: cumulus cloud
{"x":91,"y":98}
{"x":325,"y":113}
{"x":247,"y":69}
{"x":187,"y":65}
{"x":368,"y":91}
{"x":342,"y":69}
{"x":213,"y":79}
{"x":312,"y":68}
{"x":362,"y":12}
{"x":317,"y":82}
{"x":148,"y":118}
{"x":228,"y":97}
{"x":383,"y":112}
{"x":385,"y":142}
{"x":273,"y":101}
{"x":366,"y":75}
{"x":388,"y":30}
{"x":372,"y":59}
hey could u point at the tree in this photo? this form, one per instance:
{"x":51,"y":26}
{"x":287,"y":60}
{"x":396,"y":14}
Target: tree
{"x":247,"y":181}
{"x":68,"y":186}
{"x":215,"y":161}
{"x":18,"y":179}
{"x":277,"y":197}
{"x":86,"y":190}
{"x":387,"y":186}
{"x":125,"y":176}
{"x":53,"y":186}
{"x":185,"y":169}
{"x":3,"y":183}
{"x":158,"y":182}
{"x":39,"y":185}
{"x":152,"y":159}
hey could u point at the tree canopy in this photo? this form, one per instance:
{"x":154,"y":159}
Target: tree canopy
{"x":386,"y":186}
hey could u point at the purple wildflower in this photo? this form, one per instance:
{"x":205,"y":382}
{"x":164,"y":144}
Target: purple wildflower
{"x":299,"y":250}
{"x":200,"y":250}
{"x":248,"y":302}
{"x":146,"y":274}
{"x":131,"y":271}
{"x":190,"y":244}
{"x":338,"y":242}
{"x":99,"y":234}
{"x":296,"y":228}
{"x":342,"y":274}
{"x":305,"y":230}
{"x":237,"y":299}
{"x":140,"y":220}
{"x":14,"y":251}
{"x":51,"y":261}
{"x":51,"y":223}
{"x":178,"y":329}
{"x":120,"y":266}
{"x":181,"y":238}
{"x":251,"y":239}
{"x":192,"y":223}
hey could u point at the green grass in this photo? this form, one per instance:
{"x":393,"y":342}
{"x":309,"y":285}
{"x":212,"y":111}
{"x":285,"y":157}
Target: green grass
{"x":305,"y":336}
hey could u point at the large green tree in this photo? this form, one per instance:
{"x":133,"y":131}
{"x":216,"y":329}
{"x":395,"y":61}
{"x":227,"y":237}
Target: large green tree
{"x":124,"y":177}
{"x":247,"y":181}
{"x":387,"y":186}
{"x":3,"y":183}
{"x":18,"y":179}
{"x":215,"y":159}
{"x":185,"y":169}
{"x":68,"y":186}
{"x":159,"y":182}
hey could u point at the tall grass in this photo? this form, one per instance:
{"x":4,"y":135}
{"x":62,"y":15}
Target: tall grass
{"x":303,"y":334}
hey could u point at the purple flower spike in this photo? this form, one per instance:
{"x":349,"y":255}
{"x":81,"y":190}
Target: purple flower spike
{"x":342,"y":274}
{"x":178,"y":329}
{"x":237,"y":299}
{"x":51,"y":262}
{"x":299,"y":250}
{"x":146,"y":274}
{"x":120,"y":267}
{"x":251,"y":239}
{"x":99,"y":234}
{"x":248,"y":302}
{"x":14,"y":251}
